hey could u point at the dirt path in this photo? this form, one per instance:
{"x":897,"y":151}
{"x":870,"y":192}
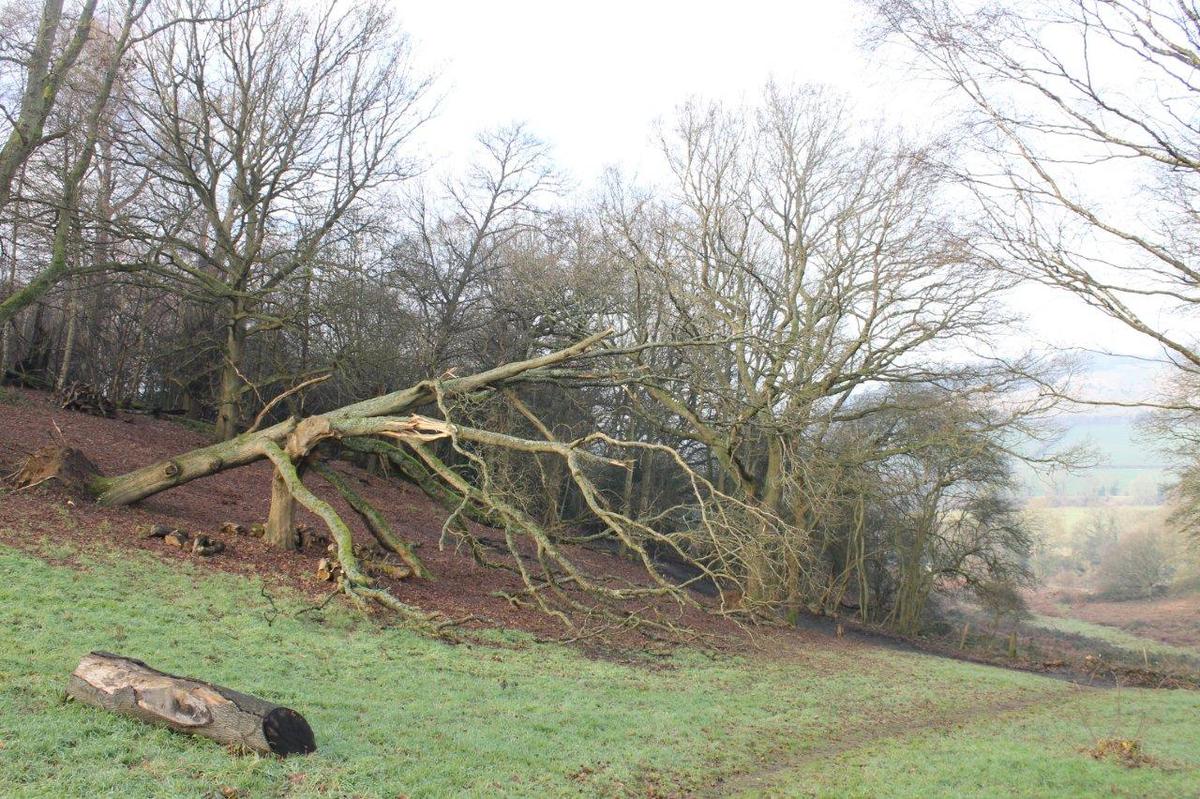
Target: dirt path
{"x":865,"y":735}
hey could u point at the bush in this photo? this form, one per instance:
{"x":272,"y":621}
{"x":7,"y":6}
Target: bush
{"x":1139,"y":566}
{"x":1001,"y":601}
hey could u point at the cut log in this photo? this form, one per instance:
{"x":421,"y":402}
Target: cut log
{"x":327,"y":570}
{"x":206,"y":547}
{"x":131,"y":688}
{"x":177,"y":538}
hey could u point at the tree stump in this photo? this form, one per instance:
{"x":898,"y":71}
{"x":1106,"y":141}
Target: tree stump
{"x":131,"y":688}
{"x":66,"y":465}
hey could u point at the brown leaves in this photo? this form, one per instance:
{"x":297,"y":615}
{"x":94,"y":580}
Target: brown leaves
{"x":1127,"y":752}
{"x":328,"y":570}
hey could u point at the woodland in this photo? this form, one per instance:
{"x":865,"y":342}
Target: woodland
{"x":786,"y":372}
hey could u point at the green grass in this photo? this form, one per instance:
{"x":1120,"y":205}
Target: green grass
{"x":1058,"y":523}
{"x":1031,"y":754}
{"x":1131,"y":462}
{"x":400,"y":714}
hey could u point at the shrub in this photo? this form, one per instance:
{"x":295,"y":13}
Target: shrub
{"x":1139,"y":566}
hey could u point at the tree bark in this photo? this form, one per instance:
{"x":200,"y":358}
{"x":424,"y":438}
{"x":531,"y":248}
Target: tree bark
{"x":228,"y":413}
{"x":376,"y":522}
{"x":131,"y":688}
{"x":281,"y":518}
{"x":248,"y":447}
{"x":64,"y":369}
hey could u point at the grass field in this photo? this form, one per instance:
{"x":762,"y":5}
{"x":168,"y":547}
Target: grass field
{"x":1134,"y":644}
{"x":1065,"y":517}
{"x":1131,"y":463}
{"x":1030,"y":754}
{"x":399,"y":714}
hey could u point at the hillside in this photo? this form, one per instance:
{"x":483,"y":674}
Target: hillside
{"x":461,"y":587}
{"x":1130,"y":466}
{"x":491,"y":711}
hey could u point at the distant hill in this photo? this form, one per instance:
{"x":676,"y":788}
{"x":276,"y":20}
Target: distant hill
{"x":1132,"y":466}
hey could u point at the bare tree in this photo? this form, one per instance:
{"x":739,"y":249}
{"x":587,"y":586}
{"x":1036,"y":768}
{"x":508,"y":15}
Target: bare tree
{"x":44,"y":82}
{"x":933,"y":472}
{"x":265,"y":127}
{"x":452,"y":245}
{"x":46,"y":67}
{"x":1086,"y":116}
{"x":796,"y":264}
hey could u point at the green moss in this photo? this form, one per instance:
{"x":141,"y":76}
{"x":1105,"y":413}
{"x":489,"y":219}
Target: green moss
{"x":207,"y":429}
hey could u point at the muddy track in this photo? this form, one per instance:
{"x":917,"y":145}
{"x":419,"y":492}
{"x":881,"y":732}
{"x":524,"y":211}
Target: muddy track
{"x":867,"y":734}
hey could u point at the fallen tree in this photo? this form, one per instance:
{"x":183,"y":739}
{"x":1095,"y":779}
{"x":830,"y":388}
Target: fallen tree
{"x":719,"y":529}
{"x":248,"y":447}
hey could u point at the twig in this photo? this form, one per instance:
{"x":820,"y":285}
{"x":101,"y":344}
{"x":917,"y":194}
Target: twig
{"x":320,"y":607}
{"x":267,"y":408}
{"x":274,"y":614}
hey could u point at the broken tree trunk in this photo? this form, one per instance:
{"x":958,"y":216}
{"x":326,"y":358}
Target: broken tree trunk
{"x":281,"y":520}
{"x":131,"y":688}
{"x":545,"y":568}
{"x":248,"y":447}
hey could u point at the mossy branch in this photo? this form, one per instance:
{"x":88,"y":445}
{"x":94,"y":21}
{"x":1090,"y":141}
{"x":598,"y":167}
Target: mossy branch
{"x":375,"y":521}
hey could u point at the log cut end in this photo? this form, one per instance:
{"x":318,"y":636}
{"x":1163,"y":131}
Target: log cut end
{"x":288,"y":733}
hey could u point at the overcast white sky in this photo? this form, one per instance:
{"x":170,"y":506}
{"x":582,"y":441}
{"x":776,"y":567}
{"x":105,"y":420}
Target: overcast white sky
{"x":591,"y":79}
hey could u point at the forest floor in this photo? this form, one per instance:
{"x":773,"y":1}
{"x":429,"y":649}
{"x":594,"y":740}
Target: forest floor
{"x":495,"y":710}
{"x":30,"y":420}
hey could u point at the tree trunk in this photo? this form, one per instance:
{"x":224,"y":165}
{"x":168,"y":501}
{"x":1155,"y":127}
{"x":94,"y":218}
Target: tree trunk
{"x":64,"y":369}
{"x":9,"y":325}
{"x":231,"y":381}
{"x":247,"y":448}
{"x":131,"y":688}
{"x":281,"y":518}
{"x":41,"y":88}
